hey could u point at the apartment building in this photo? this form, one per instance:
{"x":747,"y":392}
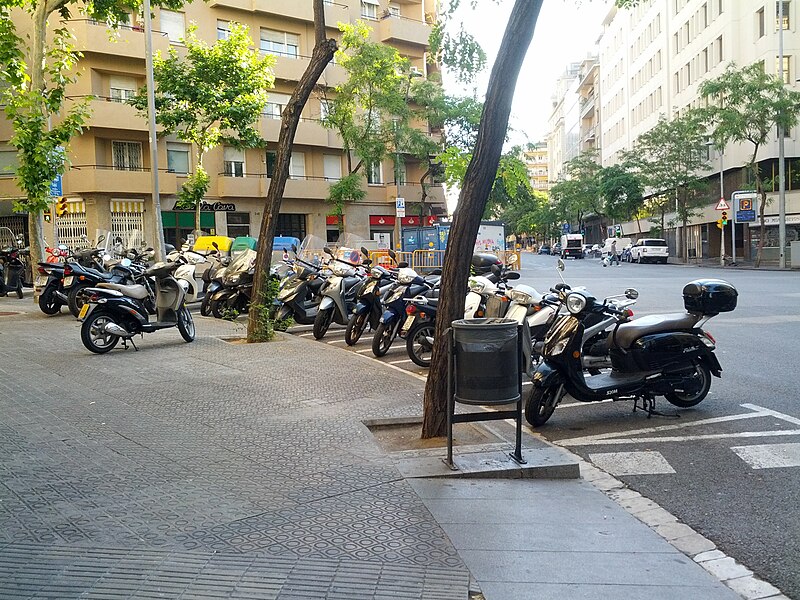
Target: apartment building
{"x":589,"y":103}
{"x":653,"y":58}
{"x":536,"y":161}
{"x":108,"y":182}
{"x":563,"y":139}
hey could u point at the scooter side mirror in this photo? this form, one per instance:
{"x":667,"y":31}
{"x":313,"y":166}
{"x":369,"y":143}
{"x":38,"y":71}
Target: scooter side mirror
{"x":327,"y":251}
{"x":366,"y":262}
{"x":631,"y":294}
{"x":512,"y":275}
{"x":294,"y":248}
{"x":496,"y":269}
{"x":512,"y":259}
{"x":364,"y":251}
{"x":436,"y":272}
{"x":216,"y":246}
{"x":402,"y":264}
{"x":392,"y":254}
{"x":560,"y":265}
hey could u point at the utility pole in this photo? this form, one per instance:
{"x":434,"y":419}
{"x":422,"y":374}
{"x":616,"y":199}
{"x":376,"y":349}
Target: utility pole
{"x":781,"y":166}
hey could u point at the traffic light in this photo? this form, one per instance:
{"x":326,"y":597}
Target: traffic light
{"x":719,"y":223}
{"x":724,"y":217}
{"x":61,"y":206}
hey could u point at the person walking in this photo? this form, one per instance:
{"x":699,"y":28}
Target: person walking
{"x":613,"y":255}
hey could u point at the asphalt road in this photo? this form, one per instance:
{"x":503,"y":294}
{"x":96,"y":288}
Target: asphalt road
{"x":736,"y":481}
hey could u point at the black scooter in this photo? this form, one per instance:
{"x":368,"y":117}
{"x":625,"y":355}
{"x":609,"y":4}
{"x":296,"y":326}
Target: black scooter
{"x":12,"y":270}
{"x":368,"y":308}
{"x":298,"y":296}
{"x":658,"y":355}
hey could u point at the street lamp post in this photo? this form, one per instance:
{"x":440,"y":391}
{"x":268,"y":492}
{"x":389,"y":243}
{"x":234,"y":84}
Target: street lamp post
{"x":781,"y":166}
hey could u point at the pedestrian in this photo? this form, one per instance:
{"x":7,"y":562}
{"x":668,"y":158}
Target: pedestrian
{"x":613,"y":255}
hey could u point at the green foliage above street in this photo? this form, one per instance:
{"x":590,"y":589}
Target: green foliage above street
{"x":578,"y":193}
{"x":210,"y":95}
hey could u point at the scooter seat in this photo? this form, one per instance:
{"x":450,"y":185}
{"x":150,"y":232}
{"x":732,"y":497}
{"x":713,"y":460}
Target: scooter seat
{"x":139,"y":292}
{"x":627,"y":333}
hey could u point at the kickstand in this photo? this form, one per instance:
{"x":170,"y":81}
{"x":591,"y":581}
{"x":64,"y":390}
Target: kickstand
{"x":649,"y":406}
{"x":125,"y":344}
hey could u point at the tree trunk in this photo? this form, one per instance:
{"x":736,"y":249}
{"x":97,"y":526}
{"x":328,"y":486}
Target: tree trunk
{"x":762,"y":229}
{"x":200,"y":157}
{"x":475,"y":191}
{"x":324,"y":50}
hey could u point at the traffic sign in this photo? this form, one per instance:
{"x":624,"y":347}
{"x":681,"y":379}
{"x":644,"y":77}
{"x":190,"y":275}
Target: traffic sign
{"x":55,"y":187}
{"x":400,"y":207}
{"x":565,"y":228}
{"x":722,"y":205}
{"x":745,"y":216}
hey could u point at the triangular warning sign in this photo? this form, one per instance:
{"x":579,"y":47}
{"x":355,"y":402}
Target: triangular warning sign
{"x":723,"y":205}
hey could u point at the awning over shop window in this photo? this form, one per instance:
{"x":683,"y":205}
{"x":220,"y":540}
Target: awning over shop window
{"x":127,"y":206}
{"x":381,"y":220}
{"x":76,"y":206}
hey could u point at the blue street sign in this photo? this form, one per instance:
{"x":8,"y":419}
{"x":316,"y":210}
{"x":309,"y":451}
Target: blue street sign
{"x":565,"y":227}
{"x":55,"y":187}
{"x":745,"y":216}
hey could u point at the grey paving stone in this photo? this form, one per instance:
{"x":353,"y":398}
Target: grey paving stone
{"x":550,"y":591}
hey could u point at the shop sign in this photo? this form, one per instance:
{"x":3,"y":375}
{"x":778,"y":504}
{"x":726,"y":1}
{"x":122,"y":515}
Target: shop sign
{"x":218,"y":206}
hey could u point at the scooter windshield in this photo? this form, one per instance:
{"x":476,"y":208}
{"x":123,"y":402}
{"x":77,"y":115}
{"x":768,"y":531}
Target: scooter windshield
{"x":242,"y":263}
{"x":310,"y":250}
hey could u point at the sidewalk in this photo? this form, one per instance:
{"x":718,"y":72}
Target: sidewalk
{"x":221,"y":470}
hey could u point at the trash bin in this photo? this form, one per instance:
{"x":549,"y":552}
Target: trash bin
{"x":486,"y":361}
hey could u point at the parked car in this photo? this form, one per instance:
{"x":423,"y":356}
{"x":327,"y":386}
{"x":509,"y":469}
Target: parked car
{"x":544,"y":249}
{"x":650,"y":250}
{"x":556,"y":250}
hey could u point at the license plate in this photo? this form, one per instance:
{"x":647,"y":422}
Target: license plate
{"x":409,"y":322}
{"x":84,"y":311}
{"x":67,"y":281}
{"x":41,"y":281}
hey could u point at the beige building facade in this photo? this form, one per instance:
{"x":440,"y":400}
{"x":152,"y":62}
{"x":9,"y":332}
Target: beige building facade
{"x":536,"y":161}
{"x":108,"y":181}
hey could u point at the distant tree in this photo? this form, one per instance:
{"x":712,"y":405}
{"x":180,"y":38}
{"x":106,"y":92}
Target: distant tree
{"x":670,"y":158}
{"x":746,"y":105}
{"x":207,"y":96}
{"x":621,"y":190}
{"x":578,"y":194}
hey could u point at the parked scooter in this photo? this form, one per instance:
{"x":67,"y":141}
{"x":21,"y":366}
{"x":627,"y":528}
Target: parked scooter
{"x":117,"y":312}
{"x":298,"y":296}
{"x":12,"y":268}
{"x":658,"y":355}
{"x":368,"y":310}
{"x":237,"y":286}
{"x":339,"y":291}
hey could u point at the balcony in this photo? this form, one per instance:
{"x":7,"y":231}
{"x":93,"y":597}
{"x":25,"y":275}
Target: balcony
{"x":310,"y":132}
{"x":400,"y":29}
{"x":127,"y":41}
{"x":290,"y":68}
{"x":249,"y":186}
{"x":313,"y":188}
{"x":412,"y":192}
{"x":291,"y":9}
{"x":104,"y":179}
{"x":111,"y":114}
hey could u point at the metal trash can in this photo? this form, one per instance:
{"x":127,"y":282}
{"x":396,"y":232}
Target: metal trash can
{"x":486,"y":361}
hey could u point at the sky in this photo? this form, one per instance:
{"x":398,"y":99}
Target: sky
{"x":566,"y":32}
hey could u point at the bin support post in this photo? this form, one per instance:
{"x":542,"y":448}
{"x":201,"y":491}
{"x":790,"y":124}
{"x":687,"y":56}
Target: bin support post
{"x":517,"y":454}
{"x":450,"y":399}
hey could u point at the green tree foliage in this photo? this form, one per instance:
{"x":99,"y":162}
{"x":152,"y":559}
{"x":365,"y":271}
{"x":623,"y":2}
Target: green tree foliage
{"x":746,"y":105}
{"x":578,"y":195}
{"x":531,"y":213}
{"x":210,"y":95}
{"x":511,"y":181}
{"x":670,"y":158}
{"x":36,"y":74}
{"x":621,"y":191}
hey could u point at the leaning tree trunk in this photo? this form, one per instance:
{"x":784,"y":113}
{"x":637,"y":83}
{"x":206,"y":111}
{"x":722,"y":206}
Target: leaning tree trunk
{"x":475,"y":191}
{"x":324,"y":50}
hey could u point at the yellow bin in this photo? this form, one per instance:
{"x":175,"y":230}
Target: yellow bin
{"x":204,"y":243}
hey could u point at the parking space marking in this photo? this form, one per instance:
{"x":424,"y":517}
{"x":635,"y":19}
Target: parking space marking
{"x":397,"y":362}
{"x":336,"y":342}
{"x":769,"y":456}
{"x":632,"y":463}
{"x":631,"y":437}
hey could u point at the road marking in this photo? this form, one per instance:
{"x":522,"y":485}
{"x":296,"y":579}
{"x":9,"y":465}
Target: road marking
{"x":304,"y":334}
{"x":336,"y":342}
{"x":397,"y":362}
{"x":391,"y":366}
{"x":364,"y":351}
{"x":769,"y":456}
{"x":632,"y":463}
{"x":630,"y":437}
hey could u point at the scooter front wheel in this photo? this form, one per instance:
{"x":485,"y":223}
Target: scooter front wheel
{"x":205,"y":305}
{"x":95,"y":337}
{"x":382,"y":341}
{"x":355,"y":327}
{"x":699,"y":384}
{"x":419,"y":344}
{"x":217,"y":306}
{"x":49,"y":303}
{"x":322,"y":322}
{"x":186,"y":324}
{"x":540,"y":404}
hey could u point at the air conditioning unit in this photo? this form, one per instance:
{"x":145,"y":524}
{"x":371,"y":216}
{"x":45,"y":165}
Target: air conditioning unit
{"x":415,"y":71}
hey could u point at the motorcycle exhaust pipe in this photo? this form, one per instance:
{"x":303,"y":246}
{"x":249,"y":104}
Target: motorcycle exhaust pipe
{"x":115,"y":329}
{"x":61,"y":296}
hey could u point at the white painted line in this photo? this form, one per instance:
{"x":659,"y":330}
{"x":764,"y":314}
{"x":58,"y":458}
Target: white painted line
{"x":304,"y":334}
{"x":336,"y":342}
{"x":574,"y":404}
{"x":769,"y":456}
{"x":632,"y":463}
{"x":578,"y":441}
{"x":397,"y":362}
{"x":390,"y":366}
{"x":679,"y":438}
{"x":773,"y":413}
{"x":364,"y":351}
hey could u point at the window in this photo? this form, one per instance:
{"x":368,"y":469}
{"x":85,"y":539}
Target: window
{"x":223,"y":29}
{"x":369,"y":9}
{"x":238,"y":224}
{"x":281,"y":43}
{"x":234,"y":162}
{"x":275,"y":105}
{"x":297,"y":165}
{"x":271,"y":157}
{"x":324,"y":109}
{"x":127,"y":221}
{"x":122,"y":88}
{"x":401,"y":173}
{"x":291,"y":225}
{"x":785,"y":15}
{"x":782,"y":71}
{"x":394,"y":10}
{"x":761,"y":28}
{"x":177,"y":157}
{"x":332,"y":166}
{"x":126,"y":156}
{"x":8,"y":162}
{"x":173,"y":24}
{"x":375,"y":174}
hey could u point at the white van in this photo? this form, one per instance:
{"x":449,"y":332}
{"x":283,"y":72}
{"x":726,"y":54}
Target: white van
{"x":622,"y":243}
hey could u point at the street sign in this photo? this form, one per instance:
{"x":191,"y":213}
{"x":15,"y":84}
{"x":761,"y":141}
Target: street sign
{"x":400,"y":207}
{"x":55,"y":187}
{"x":722,"y":205}
{"x":745,"y":216}
{"x":565,"y":228}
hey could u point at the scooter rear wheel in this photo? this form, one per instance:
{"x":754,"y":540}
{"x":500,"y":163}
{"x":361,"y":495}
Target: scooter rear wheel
{"x":540,"y":405}
{"x":217,"y":306}
{"x":205,"y":305}
{"x":48,"y":302}
{"x":94,"y":336}
{"x":419,"y":344}
{"x":186,"y":324}
{"x":700,"y":381}
{"x":75,"y":298}
{"x":355,"y":327}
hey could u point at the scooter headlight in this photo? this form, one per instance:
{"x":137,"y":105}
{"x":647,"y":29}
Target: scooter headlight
{"x":520,"y":297}
{"x":576,"y":303}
